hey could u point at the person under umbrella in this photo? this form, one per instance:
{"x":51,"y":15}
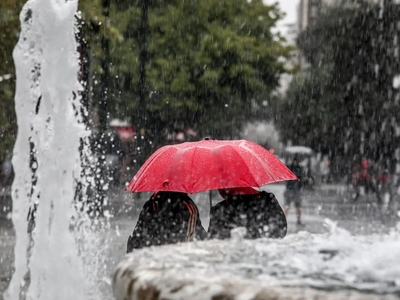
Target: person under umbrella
{"x":194,"y":167}
{"x":259,"y":212}
{"x":166,"y":218}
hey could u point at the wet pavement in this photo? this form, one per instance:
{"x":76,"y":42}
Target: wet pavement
{"x":330,"y":201}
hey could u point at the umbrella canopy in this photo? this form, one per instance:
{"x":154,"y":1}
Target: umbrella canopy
{"x":298,"y":150}
{"x":119,"y":123}
{"x":208,"y":165}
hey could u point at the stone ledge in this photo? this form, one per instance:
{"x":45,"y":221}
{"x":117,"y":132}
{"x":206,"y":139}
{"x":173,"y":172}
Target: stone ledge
{"x":157,"y":284}
{"x":334,"y":265}
{"x":302,"y":266}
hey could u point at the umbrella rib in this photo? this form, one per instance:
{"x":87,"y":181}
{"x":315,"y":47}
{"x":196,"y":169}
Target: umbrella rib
{"x":178,"y":154}
{"x":148,"y":165}
{"x":191,"y":167}
{"x":248,"y":168}
{"x":265,"y":166}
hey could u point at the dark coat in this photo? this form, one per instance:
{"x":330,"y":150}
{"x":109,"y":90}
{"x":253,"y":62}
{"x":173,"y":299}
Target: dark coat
{"x":169,"y":218}
{"x":260,"y":214}
{"x":295,"y":185}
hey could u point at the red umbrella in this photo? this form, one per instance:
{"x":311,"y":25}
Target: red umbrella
{"x":208,"y":165}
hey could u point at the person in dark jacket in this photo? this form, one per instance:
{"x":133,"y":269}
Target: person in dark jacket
{"x":166,"y":218}
{"x":293,"y":189}
{"x":259,"y":212}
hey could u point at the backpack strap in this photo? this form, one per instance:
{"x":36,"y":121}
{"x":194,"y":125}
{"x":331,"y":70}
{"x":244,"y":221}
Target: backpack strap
{"x":192,"y":221}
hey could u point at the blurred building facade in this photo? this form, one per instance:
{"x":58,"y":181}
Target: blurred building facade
{"x":309,"y":10}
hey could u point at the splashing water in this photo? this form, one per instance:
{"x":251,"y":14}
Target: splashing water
{"x":333,"y":261}
{"x":47,"y":105}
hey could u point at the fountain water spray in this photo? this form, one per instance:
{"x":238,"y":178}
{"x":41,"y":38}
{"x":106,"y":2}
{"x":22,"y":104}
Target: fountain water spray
{"x":47,"y":106}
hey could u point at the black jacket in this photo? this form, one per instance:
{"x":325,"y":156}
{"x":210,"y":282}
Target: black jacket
{"x":295,"y":185}
{"x":260,"y":214}
{"x":169,"y":218}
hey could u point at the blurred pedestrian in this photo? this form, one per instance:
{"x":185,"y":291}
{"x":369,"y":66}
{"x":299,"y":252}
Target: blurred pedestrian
{"x":166,"y":218}
{"x":6,"y":172}
{"x":293,"y":189}
{"x":114,"y":157}
{"x":383,"y":188}
{"x":361,"y":179}
{"x":259,"y":212}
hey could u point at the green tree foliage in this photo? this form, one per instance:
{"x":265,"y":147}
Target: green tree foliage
{"x":210,"y":62}
{"x":9,"y":29}
{"x":346,"y":103}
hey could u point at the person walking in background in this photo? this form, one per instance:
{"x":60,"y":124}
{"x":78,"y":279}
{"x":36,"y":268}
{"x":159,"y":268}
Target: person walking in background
{"x":293,"y":189}
{"x":166,"y":218}
{"x":259,"y":212}
{"x":361,"y":179}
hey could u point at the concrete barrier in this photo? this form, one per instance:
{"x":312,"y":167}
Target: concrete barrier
{"x":239,"y":269}
{"x":132,"y":282}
